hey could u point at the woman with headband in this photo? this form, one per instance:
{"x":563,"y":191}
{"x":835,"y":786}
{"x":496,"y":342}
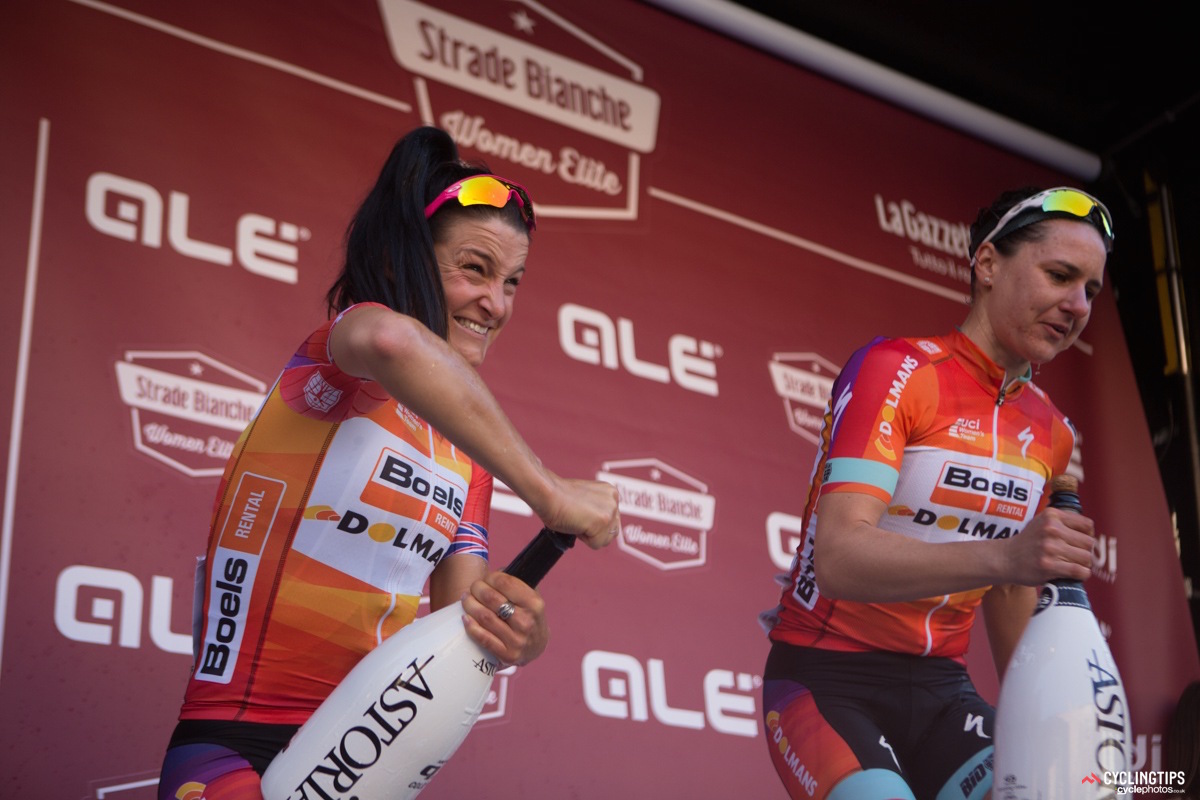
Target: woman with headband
{"x":367,"y":471}
{"x":936,"y":453}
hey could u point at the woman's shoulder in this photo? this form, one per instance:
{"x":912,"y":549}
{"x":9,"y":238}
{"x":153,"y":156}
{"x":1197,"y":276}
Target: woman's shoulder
{"x":902,"y":352}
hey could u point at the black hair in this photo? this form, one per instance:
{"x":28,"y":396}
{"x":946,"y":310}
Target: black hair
{"x":389,"y":244}
{"x":987,"y":218}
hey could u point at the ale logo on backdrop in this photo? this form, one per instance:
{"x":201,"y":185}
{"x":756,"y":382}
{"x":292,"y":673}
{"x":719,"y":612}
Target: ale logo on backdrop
{"x":600,"y":121}
{"x":187,"y":409}
{"x":128,"y":209}
{"x":804,"y":381}
{"x":590,"y":336}
{"x":618,"y":686}
{"x":665,"y":514}
{"x":103,"y":606}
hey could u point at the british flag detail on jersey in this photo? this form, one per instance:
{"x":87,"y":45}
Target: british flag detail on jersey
{"x":470,"y":539}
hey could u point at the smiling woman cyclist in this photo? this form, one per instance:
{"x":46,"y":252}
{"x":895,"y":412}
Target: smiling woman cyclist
{"x":936,"y":454}
{"x":367,"y":471}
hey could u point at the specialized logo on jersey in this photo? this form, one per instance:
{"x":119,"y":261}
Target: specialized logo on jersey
{"x":1025,"y":437}
{"x":887,"y":413}
{"x":839,"y":407}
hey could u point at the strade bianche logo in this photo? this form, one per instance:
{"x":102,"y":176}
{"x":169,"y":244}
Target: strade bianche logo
{"x":665,"y":514}
{"x":469,"y":77}
{"x":187,"y":408}
{"x":804,"y":382}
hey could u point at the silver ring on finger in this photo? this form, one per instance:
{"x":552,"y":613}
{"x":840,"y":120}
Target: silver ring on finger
{"x":505,"y":611}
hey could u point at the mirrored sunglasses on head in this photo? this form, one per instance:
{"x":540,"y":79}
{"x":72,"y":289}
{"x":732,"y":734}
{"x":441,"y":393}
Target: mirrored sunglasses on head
{"x":1050,"y":203}
{"x":488,"y":190}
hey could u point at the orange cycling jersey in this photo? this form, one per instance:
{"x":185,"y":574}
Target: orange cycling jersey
{"x":334,"y":509}
{"x":928,"y":426}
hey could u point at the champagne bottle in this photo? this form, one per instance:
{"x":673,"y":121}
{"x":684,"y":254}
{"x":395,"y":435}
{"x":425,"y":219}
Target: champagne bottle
{"x":1062,"y":720}
{"x":398,"y":716}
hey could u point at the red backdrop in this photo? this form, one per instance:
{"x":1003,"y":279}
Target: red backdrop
{"x":719,"y":231}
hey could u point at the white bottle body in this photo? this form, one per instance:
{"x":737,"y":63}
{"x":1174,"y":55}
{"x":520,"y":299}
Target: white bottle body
{"x":393,"y":721}
{"x":1062,"y":720}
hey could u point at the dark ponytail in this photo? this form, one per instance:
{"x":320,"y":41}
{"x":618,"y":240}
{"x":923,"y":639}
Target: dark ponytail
{"x":389,"y":246}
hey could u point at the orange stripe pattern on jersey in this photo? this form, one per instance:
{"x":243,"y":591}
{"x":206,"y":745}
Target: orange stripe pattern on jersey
{"x":335,"y":508}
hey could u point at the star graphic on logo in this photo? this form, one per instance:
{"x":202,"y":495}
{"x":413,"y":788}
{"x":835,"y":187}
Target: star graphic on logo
{"x":522,"y":22}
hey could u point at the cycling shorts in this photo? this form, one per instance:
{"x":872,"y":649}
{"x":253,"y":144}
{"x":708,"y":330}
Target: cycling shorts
{"x":220,"y":760}
{"x":875,"y":726}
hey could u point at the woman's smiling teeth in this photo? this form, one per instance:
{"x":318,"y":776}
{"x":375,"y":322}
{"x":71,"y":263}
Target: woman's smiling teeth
{"x":472,"y":326}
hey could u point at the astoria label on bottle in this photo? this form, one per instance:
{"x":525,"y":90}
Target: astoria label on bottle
{"x":404,"y":709}
{"x":392,"y":721}
{"x":1062,"y":721}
